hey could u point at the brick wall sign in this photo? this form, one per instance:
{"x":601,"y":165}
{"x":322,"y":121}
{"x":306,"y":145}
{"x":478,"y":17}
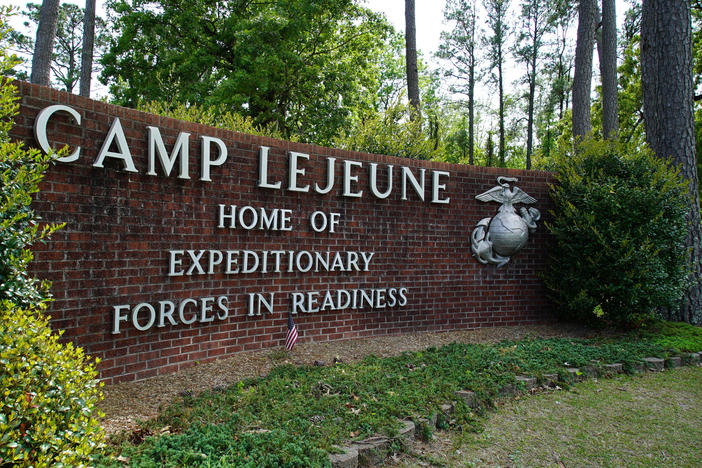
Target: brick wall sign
{"x":185,"y":243}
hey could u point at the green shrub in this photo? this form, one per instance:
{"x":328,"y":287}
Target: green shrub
{"x":619,"y":227}
{"x":211,"y":116}
{"x":21,"y":170}
{"x":391,"y":133}
{"x":48,"y":395}
{"x":47,"y":389}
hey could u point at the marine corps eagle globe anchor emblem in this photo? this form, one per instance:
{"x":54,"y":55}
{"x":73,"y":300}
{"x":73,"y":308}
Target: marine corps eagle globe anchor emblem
{"x":495,"y":239}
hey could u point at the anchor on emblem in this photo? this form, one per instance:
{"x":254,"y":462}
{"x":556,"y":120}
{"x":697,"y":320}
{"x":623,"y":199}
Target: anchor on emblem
{"x":494,"y":240}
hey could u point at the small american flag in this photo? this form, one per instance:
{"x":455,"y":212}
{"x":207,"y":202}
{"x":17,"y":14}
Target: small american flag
{"x":291,"y":338}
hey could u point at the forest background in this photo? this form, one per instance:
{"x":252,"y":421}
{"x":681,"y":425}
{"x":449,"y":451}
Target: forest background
{"x":333,"y":72}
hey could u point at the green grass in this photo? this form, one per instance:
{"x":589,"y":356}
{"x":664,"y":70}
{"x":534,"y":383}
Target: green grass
{"x":295,"y":414}
{"x":674,"y":335}
{"x":646,"y":421}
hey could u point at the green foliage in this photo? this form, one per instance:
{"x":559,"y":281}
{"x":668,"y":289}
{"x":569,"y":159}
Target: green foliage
{"x":21,"y":170}
{"x":47,"y":389}
{"x":304,"y":66}
{"x":619,"y":227}
{"x":210,"y":116}
{"x":678,"y":336}
{"x":48,"y":395}
{"x":289,"y":416}
{"x":630,"y":98}
{"x":213,"y":446}
{"x":392,"y":133}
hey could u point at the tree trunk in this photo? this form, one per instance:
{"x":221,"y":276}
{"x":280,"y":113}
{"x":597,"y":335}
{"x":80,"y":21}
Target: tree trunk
{"x":667,"y":89}
{"x":530,"y":120}
{"x":501,"y":147}
{"x":608,"y":70}
{"x":532,"y":89}
{"x":86,"y":59}
{"x":471,"y":115}
{"x":582,"y":77}
{"x":561,"y":81}
{"x":471,"y":91}
{"x":44,"y":44}
{"x":489,"y":149}
{"x":411,"y":58}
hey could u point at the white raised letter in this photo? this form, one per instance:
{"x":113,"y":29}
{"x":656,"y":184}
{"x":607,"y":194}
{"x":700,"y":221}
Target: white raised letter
{"x":436,"y":186}
{"x":206,"y":161}
{"x":294,"y":171}
{"x":40,"y":129}
{"x":223,"y":304}
{"x":135,"y":316}
{"x":181,"y":311}
{"x":175,"y":261}
{"x":330,"y":178}
{"x":367,"y":256}
{"x":374,"y":185}
{"x":123,"y":153}
{"x":348,"y":178}
{"x":298,"y":302}
{"x":206,"y":307}
{"x":165,"y":311}
{"x":263,"y":169}
{"x":119,"y":317}
{"x":418,"y":187}
{"x":180,"y":147}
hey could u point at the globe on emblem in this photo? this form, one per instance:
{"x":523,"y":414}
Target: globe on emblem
{"x":508,"y":233}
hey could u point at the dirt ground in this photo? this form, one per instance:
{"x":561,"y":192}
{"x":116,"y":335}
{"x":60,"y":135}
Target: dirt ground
{"x":126,"y":404}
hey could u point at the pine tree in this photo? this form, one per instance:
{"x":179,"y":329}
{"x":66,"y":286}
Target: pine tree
{"x":667,"y":88}
{"x":44,"y":44}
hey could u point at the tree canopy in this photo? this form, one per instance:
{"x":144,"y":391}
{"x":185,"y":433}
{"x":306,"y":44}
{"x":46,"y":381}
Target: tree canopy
{"x":286,"y":63}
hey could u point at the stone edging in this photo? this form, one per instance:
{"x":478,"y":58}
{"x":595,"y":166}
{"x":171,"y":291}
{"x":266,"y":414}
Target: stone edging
{"x":373,"y":450}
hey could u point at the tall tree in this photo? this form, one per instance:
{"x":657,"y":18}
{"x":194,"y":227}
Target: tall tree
{"x":497,"y":24}
{"x":303,"y":66}
{"x":667,"y":88}
{"x":608,"y":70}
{"x":86,"y":56}
{"x":631,"y":127}
{"x":536,"y":21}
{"x":489,"y":149}
{"x":564,"y":13}
{"x":458,"y":48}
{"x":556,"y":74}
{"x":411,"y":57}
{"x":44,"y":43}
{"x":68,"y":47}
{"x":582,"y":77}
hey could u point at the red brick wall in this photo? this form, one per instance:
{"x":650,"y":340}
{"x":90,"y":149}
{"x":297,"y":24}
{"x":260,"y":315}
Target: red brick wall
{"x":120,"y":227}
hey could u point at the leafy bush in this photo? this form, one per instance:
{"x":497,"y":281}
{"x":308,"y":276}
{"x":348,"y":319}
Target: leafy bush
{"x":619,"y":227}
{"x":21,"y":170}
{"x":211,"y":116}
{"x":48,"y":390}
{"x":48,"y":395}
{"x":391,"y":133}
